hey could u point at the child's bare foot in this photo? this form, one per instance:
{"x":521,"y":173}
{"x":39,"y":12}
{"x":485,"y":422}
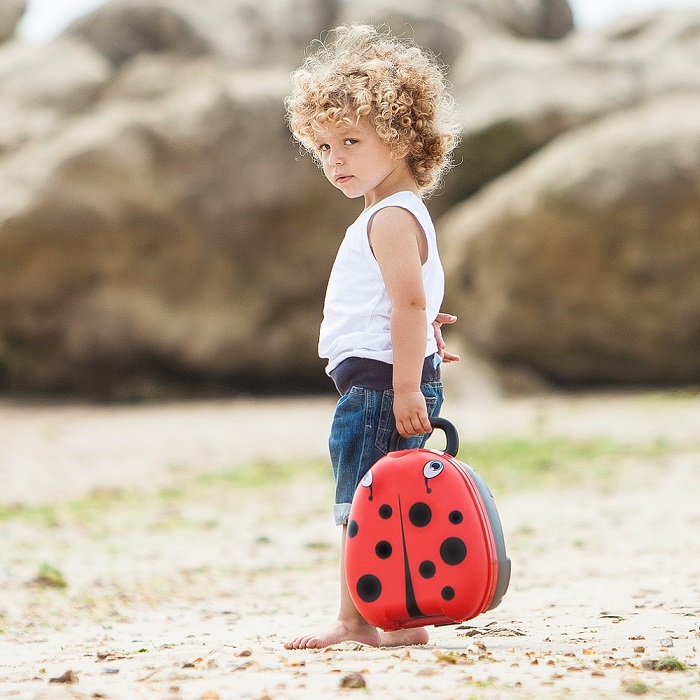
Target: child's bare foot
{"x":400,"y":638}
{"x":365,"y":634}
{"x":336,"y":633}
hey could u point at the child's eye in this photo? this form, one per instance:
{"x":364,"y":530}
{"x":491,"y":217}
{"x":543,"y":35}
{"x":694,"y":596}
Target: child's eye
{"x":324,"y":147}
{"x":350,"y":142}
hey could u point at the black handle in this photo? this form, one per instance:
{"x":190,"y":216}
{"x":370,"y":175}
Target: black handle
{"x":452,"y":446}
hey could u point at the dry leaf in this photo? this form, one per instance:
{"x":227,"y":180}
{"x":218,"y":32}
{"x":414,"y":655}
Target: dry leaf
{"x":490,"y":631}
{"x":245,"y":666}
{"x":446,"y":658}
{"x":68,"y":677}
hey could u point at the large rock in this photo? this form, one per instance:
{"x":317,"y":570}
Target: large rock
{"x":451,"y":30}
{"x":517,"y":96}
{"x":535,"y":19}
{"x":583,"y":263}
{"x":42,"y":90}
{"x":238,"y":33}
{"x":159,"y":228}
{"x":165,"y":237}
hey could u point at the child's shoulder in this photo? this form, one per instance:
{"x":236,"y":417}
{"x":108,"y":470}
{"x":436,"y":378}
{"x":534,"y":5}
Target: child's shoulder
{"x":403,"y":213}
{"x":402,"y":200}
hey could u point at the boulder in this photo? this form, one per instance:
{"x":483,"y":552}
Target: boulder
{"x":240,"y":34}
{"x":583,"y":262}
{"x":159,"y":231}
{"x":517,"y":96}
{"x":164,"y":240}
{"x":470,"y":19}
{"x":42,"y":89}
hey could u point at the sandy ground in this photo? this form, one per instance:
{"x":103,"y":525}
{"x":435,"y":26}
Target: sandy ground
{"x":182,"y":584}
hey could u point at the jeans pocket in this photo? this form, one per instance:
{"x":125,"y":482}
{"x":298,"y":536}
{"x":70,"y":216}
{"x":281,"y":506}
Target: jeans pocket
{"x":348,"y":417}
{"x":387,"y":423}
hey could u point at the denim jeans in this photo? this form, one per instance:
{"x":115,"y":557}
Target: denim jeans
{"x":360,"y":433}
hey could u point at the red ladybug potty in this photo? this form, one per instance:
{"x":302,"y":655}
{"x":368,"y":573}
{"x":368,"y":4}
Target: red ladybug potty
{"x":424,"y":542}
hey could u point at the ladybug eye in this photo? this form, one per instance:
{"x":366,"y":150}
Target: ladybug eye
{"x":367,"y":479}
{"x":432,"y":469}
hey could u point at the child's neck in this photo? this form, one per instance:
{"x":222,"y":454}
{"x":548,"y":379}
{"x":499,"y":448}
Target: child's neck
{"x":401,"y":180}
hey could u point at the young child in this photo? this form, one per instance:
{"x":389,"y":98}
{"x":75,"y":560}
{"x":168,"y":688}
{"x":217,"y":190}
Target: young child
{"x":375,"y":113}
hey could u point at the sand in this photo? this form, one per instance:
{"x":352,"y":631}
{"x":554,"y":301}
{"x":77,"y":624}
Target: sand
{"x":183,"y":584}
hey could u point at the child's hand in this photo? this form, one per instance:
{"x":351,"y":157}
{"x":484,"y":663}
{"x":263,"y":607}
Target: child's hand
{"x":442,"y":351}
{"x":411,"y":414}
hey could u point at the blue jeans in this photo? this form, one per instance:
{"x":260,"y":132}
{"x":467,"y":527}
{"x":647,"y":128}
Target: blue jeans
{"x":360,"y":433}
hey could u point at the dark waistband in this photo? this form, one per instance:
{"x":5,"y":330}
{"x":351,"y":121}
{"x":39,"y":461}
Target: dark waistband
{"x":375,"y":374}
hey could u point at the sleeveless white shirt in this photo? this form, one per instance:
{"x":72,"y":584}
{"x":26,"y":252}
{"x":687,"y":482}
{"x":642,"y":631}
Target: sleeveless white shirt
{"x":357,"y":308}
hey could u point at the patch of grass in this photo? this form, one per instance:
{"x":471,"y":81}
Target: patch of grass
{"x":636,"y":687}
{"x":92,"y":509}
{"x":688,"y":393}
{"x":262,"y":474}
{"x":50,"y":577}
{"x":668,"y":663}
{"x":509,"y":464}
{"x":40,"y":515}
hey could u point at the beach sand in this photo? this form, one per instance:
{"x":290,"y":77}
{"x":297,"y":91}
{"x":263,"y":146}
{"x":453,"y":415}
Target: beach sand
{"x":145,"y":554}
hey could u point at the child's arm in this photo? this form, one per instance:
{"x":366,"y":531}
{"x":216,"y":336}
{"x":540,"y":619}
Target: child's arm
{"x":399,"y":245}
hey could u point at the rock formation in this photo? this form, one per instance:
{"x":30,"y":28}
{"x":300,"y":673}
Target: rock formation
{"x":583,"y":262}
{"x":160,"y":232}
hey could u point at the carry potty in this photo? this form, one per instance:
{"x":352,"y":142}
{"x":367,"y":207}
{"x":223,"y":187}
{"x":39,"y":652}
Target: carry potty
{"x":424,"y":542}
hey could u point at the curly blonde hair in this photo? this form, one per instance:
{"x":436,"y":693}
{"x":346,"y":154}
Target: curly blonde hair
{"x":400,"y":87}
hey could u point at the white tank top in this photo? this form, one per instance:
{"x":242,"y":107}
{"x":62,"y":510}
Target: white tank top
{"x":357,"y":309}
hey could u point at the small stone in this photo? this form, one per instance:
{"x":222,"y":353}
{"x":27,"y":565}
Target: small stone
{"x":353,"y":680}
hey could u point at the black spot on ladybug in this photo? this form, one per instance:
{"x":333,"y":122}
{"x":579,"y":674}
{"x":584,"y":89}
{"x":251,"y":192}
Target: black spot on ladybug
{"x":385,"y":511}
{"x":352,"y":528}
{"x":369,"y":588}
{"x":420,"y":514}
{"x":383,"y":549}
{"x":426,"y":569}
{"x":447,"y":593}
{"x":455,"y":517}
{"x":453,"y":551}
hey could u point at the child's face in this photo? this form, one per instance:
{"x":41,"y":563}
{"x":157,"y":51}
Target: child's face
{"x":359,"y":164}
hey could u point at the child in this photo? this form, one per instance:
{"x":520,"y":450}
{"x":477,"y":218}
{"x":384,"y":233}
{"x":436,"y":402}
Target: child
{"x":374,"y":112}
